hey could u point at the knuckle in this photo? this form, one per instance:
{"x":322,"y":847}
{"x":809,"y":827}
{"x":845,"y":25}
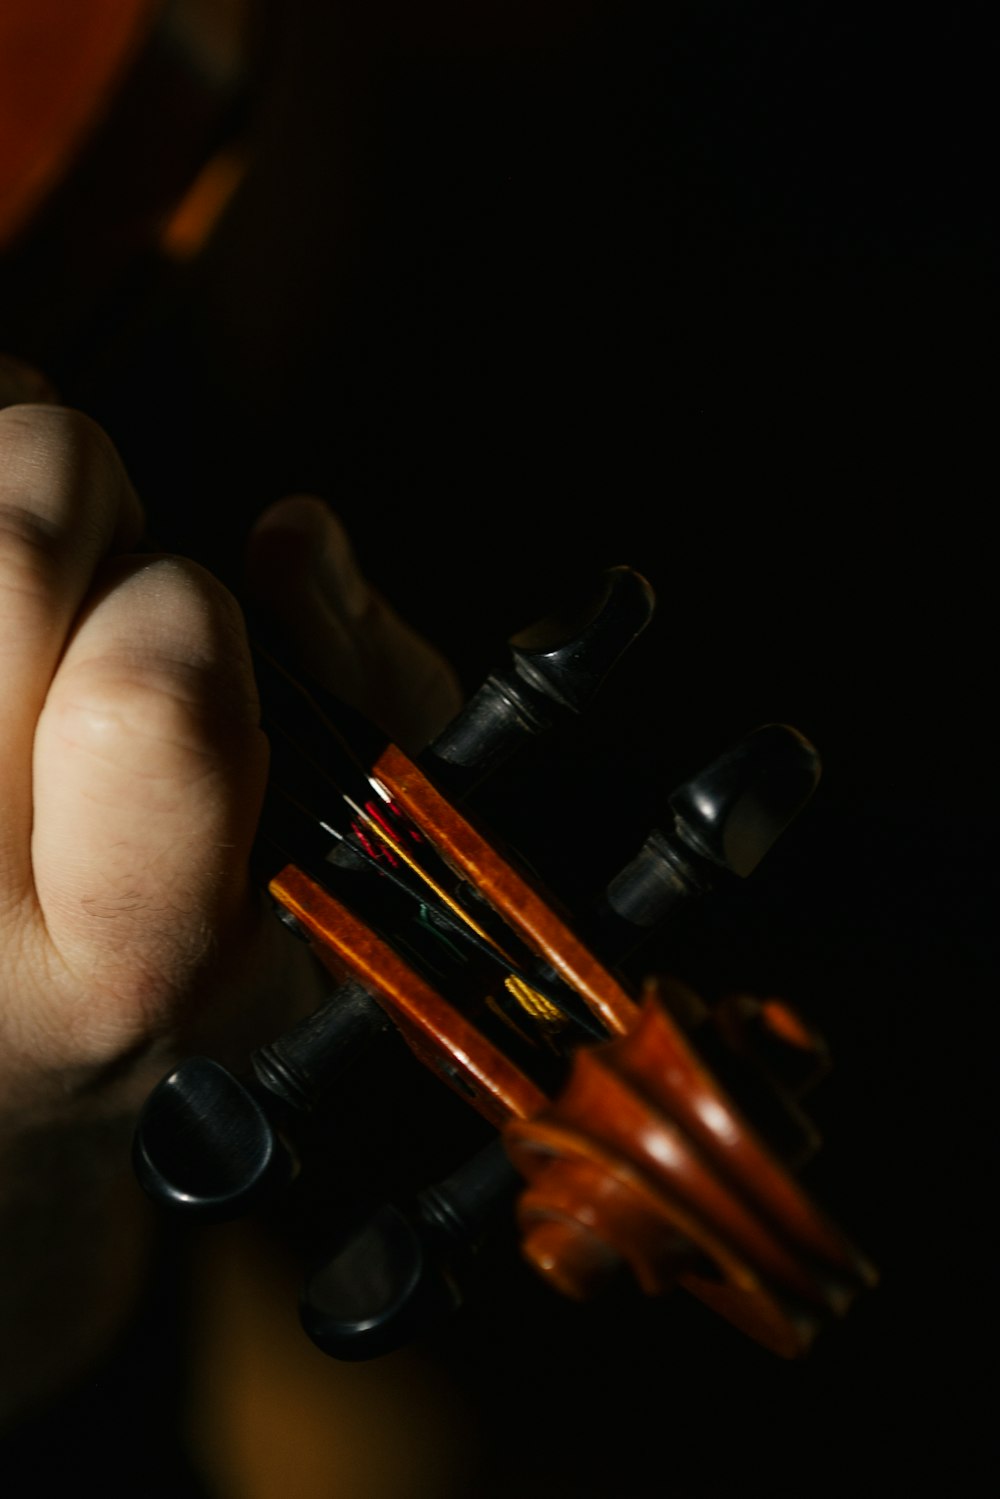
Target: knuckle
{"x":167,"y":722}
{"x":155,"y":694}
{"x":61,"y":486}
{"x":178,"y":622}
{"x":37,"y":440}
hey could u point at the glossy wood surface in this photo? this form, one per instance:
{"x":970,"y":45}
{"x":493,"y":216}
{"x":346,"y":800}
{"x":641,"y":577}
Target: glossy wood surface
{"x":642,"y":1159}
{"x":506,"y":889}
{"x":644,"y":1153}
{"x":436,"y":1032}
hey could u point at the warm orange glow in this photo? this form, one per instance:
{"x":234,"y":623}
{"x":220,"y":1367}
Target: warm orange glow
{"x":193,"y":220}
{"x":784,"y":1022}
{"x":60,"y":68}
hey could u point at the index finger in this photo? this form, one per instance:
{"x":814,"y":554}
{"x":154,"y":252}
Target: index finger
{"x":65,"y":504}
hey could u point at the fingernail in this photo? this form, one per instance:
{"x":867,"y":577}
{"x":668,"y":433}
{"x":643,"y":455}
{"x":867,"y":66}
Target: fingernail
{"x":21,"y":383}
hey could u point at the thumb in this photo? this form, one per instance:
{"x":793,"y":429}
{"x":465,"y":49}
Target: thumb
{"x":302,"y":573}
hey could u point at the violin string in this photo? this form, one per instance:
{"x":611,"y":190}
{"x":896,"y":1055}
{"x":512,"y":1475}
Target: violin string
{"x":449,"y":901}
{"x":447,"y":911}
{"x":451,"y":918}
{"x":376,"y":825}
{"x":450,"y":912}
{"x":293,"y":685}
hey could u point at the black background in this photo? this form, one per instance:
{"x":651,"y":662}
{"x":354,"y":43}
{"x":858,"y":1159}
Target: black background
{"x":708,"y":289}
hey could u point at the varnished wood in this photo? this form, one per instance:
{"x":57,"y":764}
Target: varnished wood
{"x":509,"y":892}
{"x":640,"y":1162}
{"x":443,"y":1039}
{"x":643,"y":1161}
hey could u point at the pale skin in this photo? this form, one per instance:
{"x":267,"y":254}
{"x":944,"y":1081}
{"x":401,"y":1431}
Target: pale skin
{"x":133,"y":767}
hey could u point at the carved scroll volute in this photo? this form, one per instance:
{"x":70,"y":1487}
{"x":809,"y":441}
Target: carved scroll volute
{"x":645,"y":1164}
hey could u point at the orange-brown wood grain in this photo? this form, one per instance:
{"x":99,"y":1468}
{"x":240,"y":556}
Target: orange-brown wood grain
{"x":434,"y":1030}
{"x":509,"y":892}
{"x":644,"y":1161}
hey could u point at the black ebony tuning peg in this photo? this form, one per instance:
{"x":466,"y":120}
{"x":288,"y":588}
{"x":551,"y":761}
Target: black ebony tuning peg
{"x":558,"y":665}
{"x":725,"y":819}
{"x":408,"y":1268}
{"x":213,"y":1146}
{"x":205,"y":1147}
{"x":733,"y":811}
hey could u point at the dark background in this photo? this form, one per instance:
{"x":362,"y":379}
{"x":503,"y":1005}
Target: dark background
{"x":708,"y":289}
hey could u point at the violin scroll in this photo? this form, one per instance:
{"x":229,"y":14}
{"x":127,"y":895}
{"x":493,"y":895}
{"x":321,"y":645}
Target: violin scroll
{"x":646,"y":1163}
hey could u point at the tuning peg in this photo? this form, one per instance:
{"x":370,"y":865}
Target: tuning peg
{"x":736,"y":809}
{"x":558,"y":665}
{"x":300,"y":1068}
{"x":205,"y":1147}
{"x":409,"y":1267}
{"x":214,"y":1146}
{"x":725,"y":819}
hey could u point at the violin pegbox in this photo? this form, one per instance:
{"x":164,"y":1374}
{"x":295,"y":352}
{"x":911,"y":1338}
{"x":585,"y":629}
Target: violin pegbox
{"x":635,"y":1131}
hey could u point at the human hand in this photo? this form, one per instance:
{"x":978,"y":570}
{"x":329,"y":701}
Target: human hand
{"x":301,"y":573}
{"x":134,"y":767}
{"x":135,"y":764}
